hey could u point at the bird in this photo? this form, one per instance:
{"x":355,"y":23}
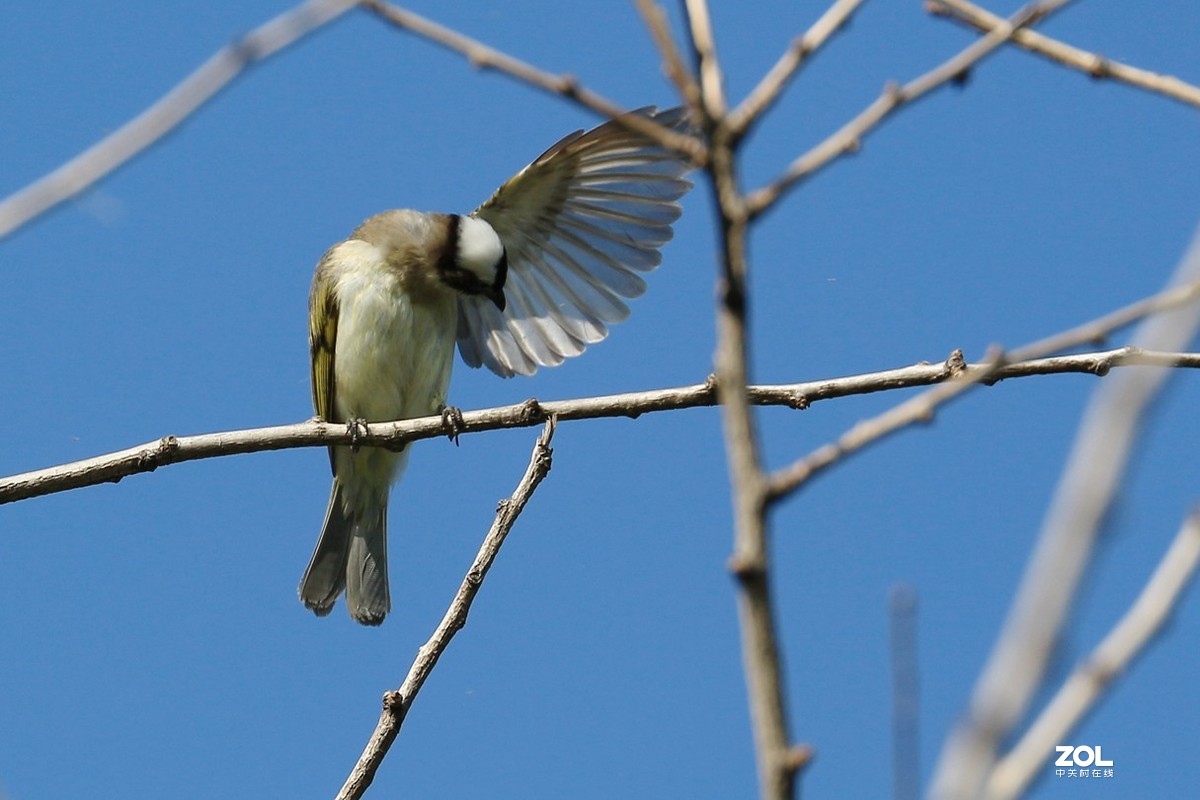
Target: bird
{"x":531,"y":277}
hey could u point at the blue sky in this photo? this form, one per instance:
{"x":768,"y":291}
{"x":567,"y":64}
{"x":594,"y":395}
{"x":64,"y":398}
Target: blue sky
{"x":153,"y":644}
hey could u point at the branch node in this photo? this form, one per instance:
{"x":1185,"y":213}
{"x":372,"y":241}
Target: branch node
{"x":1100,"y":67}
{"x":474,"y":577}
{"x":153,"y":459}
{"x":935,"y":8}
{"x":798,"y":757}
{"x":956,"y":364}
{"x":392,"y":702}
{"x":1100,"y":674}
{"x":568,"y":84}
{"x":733,"y":297}
{"x":801,"y":48}
{"x":746,"y":570}
{"x":532,"y":411}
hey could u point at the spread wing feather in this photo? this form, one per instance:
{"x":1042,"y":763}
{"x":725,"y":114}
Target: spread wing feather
{"x":579,"y":225}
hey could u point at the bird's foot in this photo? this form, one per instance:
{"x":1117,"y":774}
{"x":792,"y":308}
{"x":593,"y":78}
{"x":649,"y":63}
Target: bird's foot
{"x":452,"y":419}
{"x":357,"y":427}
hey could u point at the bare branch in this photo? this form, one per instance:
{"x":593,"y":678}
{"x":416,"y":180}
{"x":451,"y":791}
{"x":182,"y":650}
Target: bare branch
{"x":1093,"y":64}
{"x":396,"y":704}
{"x":956,"y":378}
{"x":1098,"y":330}
{"x":168,"y":113}
{"x":167,"y":450}
{"x":483,"y":57}
{"x":921,"y":408}
{"x":1093,"y":676}
{"x":704,"y":48}
{"x":849,"y":138}
{"x":1089,"y":483}
{"x":778,"y":762}
{"x":768,"y":90}
{"x":655,"y":20}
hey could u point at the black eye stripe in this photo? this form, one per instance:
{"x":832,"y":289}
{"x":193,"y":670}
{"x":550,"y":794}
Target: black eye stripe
{"x":501,"y":271}
{"x":460,"y":278}
{"x":448,"y":261}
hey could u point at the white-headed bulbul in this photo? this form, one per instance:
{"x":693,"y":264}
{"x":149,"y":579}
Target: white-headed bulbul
{"x":531,"y":277}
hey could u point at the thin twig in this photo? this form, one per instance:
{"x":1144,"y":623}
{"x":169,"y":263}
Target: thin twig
{"x":396,"y":704}
{"x":483,"y":57}
{"x":655,"y":20}
{"x":171,"y":449}
{"x":921,"y":408}
{"x":958,"y":377}
{"x":1095,"y":674}
{"x":768,"y":90}
{"x":848,"y":139}
{"x":173,"y":108}
{"x":1098,"y":330}
{"x":1102,"y":449}
{"x":1095,"y":65}
{"x":704,"y":49}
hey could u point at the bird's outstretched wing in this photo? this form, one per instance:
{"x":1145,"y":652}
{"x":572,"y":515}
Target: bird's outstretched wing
{"x":579,"y":225}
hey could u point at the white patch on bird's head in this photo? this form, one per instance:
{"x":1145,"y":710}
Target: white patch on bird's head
{"x":479,"y":248}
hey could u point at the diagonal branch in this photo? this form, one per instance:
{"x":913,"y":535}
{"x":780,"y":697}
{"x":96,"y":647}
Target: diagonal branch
{"x":1089,"y":680}
{"x":1093,"y":64}
{"x":768,"y":90}
{"x":396,"y":704}
{"x":168,"y":113}
{"x":786,"y":481}
{"x":484,"y":57}
{"x":1090,"y":481}
{"x":655,"y":20}
{"x":704,"y":49}
{"x":960,"y":378}
{"x":849,"y":138}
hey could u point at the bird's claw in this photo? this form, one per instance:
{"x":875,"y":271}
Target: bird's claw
{"x":452,"y":418}
{"x":357,"y":427}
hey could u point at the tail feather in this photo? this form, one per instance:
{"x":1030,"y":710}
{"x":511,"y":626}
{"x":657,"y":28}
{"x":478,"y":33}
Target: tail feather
{"x":367,"y":594}
{"x":350,"y":555}
{"x":325,"y":577}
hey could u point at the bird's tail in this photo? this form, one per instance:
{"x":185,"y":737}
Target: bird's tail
{"x":351,"y":555}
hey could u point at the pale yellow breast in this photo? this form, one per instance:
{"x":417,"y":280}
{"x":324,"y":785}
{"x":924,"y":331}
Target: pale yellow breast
{"x":392,"y":360}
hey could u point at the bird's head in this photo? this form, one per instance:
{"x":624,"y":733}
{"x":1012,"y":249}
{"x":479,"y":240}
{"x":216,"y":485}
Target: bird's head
{"x":474,"y":261}
{"x":439,"y":250}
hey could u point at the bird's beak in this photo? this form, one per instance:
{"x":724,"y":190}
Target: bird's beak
{"x":496,"y":295}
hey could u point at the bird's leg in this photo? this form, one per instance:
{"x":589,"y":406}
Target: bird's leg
{"x":452,"y":418}
{"x":356,"y":427}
